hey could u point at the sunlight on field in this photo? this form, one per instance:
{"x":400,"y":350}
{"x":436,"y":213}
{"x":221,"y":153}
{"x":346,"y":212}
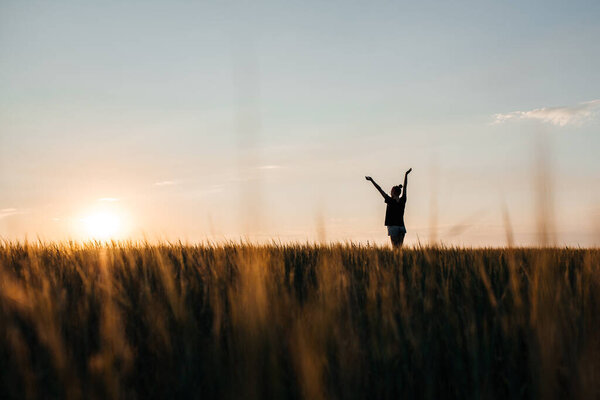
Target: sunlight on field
{"x":126,"y":320}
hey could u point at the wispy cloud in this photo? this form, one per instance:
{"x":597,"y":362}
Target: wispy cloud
{"x":166,"y":183}
{"x":108,"y":199}
{"x":560,"y":116}
{"x":269,"y":167}
{"x":7,"y":212}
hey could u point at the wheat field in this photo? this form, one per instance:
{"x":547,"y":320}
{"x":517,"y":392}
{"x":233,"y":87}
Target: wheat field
{"x":341,"y":321}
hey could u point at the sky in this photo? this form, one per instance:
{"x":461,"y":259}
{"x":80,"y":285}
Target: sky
{"x":212,"y":121}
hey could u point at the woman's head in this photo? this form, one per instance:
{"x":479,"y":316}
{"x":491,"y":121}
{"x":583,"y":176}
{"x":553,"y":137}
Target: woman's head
{"x":396,"y":190}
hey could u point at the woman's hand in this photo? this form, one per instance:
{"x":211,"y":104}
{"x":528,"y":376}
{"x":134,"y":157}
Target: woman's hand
{"x":369,"y":178}
{"x":408,"y":172}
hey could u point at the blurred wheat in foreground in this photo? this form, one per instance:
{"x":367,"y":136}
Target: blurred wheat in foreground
{"x":132,"y":321}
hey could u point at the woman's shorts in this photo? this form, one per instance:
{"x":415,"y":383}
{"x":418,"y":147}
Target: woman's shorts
{"x":396,"y":230}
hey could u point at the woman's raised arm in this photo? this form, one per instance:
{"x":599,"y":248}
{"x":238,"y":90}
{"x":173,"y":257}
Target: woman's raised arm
{"x":384,"y":194}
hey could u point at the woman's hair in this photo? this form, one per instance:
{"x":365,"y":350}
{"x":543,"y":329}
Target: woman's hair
{"x":396,"y":190}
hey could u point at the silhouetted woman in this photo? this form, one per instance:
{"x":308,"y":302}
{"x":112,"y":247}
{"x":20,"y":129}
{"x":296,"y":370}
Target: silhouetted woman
{"x":394,"y":214}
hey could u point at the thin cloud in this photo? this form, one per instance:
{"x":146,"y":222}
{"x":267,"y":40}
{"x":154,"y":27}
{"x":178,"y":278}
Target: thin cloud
{"x":559,"y":116}
{"x":166,"y":183}
{"x":269,"y":167}
{"x":7,"y":212}
{"x":108,"y":199}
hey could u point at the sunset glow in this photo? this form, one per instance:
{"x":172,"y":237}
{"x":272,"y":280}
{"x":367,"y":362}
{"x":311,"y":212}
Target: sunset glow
{"x":260,"y":120}
{"x":103,"y":225}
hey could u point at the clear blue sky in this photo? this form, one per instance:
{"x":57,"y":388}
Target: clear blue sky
{"x":221,"y":120}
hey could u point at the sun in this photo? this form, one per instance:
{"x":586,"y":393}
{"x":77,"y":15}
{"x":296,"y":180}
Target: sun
{"x":102,"y":225}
